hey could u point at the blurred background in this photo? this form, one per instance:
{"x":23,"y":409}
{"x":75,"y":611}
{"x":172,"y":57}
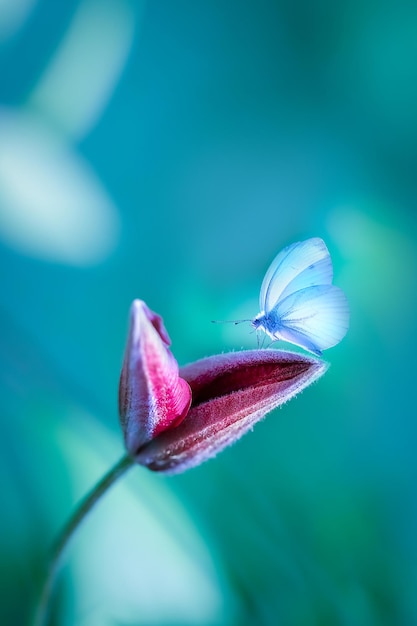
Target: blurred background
{"x":168,"y":151}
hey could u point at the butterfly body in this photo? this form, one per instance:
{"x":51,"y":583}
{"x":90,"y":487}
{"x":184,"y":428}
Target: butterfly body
{"x":298,"y":301}
{"x":268,"y":322}
{"x":272,"y":325}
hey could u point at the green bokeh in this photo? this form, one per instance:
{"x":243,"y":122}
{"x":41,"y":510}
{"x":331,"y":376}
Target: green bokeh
{"x":168,"y":151}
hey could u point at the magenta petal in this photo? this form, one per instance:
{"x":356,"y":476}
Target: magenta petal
{"x":152,"y":396}
{"x":231,"y":392}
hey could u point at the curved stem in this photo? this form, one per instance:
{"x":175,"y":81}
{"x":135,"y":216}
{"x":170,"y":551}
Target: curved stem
{"x":58,"y":550}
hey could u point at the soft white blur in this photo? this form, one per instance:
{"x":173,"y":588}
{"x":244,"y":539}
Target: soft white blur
{"x":81,"y":76}
{"x":52,"y":205}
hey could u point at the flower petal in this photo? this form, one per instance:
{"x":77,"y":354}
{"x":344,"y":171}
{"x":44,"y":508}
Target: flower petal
{"x":231,"y":392}
{"x":152,"y":396}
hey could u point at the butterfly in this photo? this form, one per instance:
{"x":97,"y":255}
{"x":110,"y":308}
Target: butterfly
{"x":298,"y":302}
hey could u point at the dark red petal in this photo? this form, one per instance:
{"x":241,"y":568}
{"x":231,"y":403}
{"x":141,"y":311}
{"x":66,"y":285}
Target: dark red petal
{"x":231,"y":392}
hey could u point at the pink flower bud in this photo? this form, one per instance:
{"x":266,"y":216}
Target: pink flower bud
{"x":152,"y":396}
{"x":166,"y":431}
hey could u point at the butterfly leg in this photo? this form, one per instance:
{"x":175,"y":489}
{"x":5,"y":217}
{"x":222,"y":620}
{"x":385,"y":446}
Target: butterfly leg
{"x":273,"y":341}
{"x":260,"y":340}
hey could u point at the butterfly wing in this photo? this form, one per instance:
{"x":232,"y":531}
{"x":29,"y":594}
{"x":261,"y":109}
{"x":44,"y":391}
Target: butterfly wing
{"x":296,"y":267}
{"x":315,"y":318}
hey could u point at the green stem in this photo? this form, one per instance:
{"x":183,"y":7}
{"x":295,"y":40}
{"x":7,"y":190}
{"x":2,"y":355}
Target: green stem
{"x":58,"y":550}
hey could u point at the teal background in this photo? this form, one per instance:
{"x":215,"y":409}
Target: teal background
{"x":168,"y":151}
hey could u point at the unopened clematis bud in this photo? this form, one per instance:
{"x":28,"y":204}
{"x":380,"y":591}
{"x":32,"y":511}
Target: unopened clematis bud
{"x":152,"y":396}
{"x":230,"y":393}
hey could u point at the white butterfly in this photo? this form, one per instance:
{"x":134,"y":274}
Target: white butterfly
{"x":298,"y":302}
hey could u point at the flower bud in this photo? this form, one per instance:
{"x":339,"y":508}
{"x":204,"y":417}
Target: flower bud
{"x":152,"y":396}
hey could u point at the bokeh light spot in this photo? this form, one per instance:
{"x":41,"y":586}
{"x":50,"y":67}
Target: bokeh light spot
{"x":83,"y":73}
{"x":52,"y":206}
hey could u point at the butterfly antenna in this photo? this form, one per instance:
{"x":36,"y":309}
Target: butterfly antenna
{"x":229,"y":321}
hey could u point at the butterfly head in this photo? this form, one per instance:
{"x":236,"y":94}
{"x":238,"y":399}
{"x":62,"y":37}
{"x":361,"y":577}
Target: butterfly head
{"x":258,"y":321}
